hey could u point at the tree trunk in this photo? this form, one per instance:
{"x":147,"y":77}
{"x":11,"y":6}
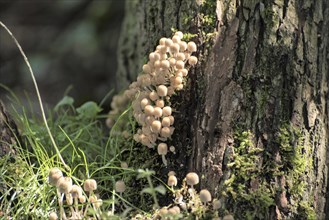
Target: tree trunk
{"x":253,"y":119}
{"x":9,"y":134}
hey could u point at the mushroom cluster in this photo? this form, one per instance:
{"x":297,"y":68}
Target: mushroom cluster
{"x":118,"y":105}
{"x":188,"y":199}
{"x":162,"y":76}
{"x":74,"y":195}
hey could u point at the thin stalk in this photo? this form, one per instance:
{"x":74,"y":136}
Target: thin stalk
{"x":156,"y":204}
{"x":38,"y":94}
{"x":60,"y":204}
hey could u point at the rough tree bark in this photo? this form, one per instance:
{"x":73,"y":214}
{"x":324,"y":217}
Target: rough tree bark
{"x":253,"y":119}
{"x":9,"y":133}
{"x":8,"y":139}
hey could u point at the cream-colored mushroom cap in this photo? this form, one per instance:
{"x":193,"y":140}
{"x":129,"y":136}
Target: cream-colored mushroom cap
{"x":149,"y":109}
{"x":180,"y":64}
{"x":205,"y":196}
{"x":193,"y":60}
{"x":172,"y":181}
{"x":162,"y":90}
{"x":174,"y":210}
{"x":165,"y":122}
{"x":124,"y":165}
{"x":120,"y":186}
{"x":191,"y":46}
{"x":156,"y":126}
{"x":90,"y":185}
{"x":165,"y":132}
{"x":157,"y":112}
{"x":65,"y":184}
{"x":179,"y":34}
{"x":53,"y":216}
{"x":192,"y":179}
{"x":171,"y":173}
{"x":153,"y":96}
{"x":76,"y":191}
{"x":82,"y":199}
{"x":162,"y":149}
{"x":163,"y":211}
{"x":159,"y":103}
{"x":216,"y":204}
{"x":166,"y":111}
{"x":54,"y":175}
{"x":228,"y":217}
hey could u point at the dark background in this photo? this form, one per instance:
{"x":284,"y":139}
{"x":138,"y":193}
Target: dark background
{"x":71,"y":45}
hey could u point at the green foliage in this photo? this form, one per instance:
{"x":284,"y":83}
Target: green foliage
{"x":297,"y":160}
{"x":250,"y":185}
{"x":245,"y":170}
{"x":88,"y":110}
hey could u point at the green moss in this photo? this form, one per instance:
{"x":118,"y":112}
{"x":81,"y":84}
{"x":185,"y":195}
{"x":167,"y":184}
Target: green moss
{"x":296,"y":159}
{"x":306,"y":211}
{"x":250,"y":186}
{"x":252,"y":201}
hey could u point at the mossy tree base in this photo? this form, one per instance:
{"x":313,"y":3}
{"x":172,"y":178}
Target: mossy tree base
{"x":264,"y":69}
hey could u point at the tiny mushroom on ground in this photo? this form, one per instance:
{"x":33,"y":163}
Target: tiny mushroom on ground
{"x":205,"y":196}
{"x":163,"y":150}
{"x":172,"y":181}
{"x":54,"y":175}
{"x":228,"y":217}
{"x":192,"y":179}
{"x":53,"y":216}
{"x":65,"y":185}
{"x":90,"y":185}
{"x":120,"y":186}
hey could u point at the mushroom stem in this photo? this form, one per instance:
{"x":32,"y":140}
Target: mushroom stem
{"x":76,"y":207}
{"x":86,"y":209}
{"x":191,"y":192}
{"x":60,"y":203}
{"x":164,"y":160}
{"x":123,"y":201}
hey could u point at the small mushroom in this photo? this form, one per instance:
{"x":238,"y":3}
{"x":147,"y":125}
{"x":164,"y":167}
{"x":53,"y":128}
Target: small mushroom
{"x":216,"y":204}
{"x":90,"y":185}
{"x":54,"y":175}
{"x":166,"y":111}
{"x":205,"y":196}
{"x":163,"y":150}
{"x":65,"y":185}
{"x":192,"y":179}
{"x":172,"y":181}
{"x":124,"y":165}
{"x":191,"y":46}
{"x":53,"y":216}
{"x":174,"y":210}
{"x":171,"y":173}
{"x":192,"y":60}
{"x":76,"y":193}
{"x":162,"y":90}
{"x":228,"y":217}
{"x":120,"y":186}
